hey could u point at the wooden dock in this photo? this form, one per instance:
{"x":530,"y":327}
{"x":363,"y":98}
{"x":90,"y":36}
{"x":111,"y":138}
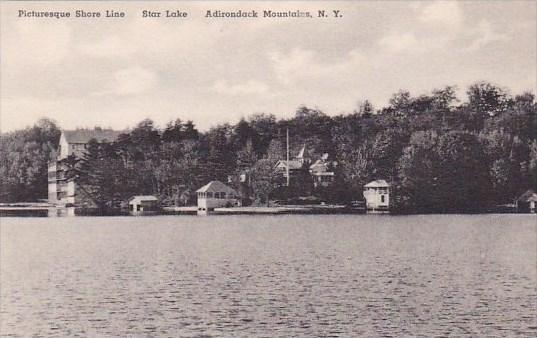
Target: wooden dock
{"x":271,"y":210}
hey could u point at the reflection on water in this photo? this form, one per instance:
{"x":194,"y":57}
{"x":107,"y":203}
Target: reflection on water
{"x":284,"y":276}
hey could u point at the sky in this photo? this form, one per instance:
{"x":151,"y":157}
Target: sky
{"x":85,"y":72}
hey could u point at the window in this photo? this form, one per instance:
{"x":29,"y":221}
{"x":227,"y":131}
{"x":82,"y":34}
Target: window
{"x":209,"y":195}
{"x":138,"y":207}
{"x":382,"y":199}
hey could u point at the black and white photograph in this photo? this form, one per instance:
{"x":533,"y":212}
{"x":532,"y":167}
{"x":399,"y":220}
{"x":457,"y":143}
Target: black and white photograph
{"x":222,"y":169}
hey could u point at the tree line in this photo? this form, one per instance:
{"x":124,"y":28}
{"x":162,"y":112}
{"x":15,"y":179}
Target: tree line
{"x":440,"y":154}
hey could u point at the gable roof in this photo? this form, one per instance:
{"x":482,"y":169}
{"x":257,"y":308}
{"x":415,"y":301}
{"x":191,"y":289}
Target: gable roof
{"x":293,"y":164}
{"x":377,"y":184}
{"x":217,"y":186}
{"x":143,"y":198}
{"x":85,"y":135}
{"x":303,"y":153}
{"x":319,"y":165}
{"x":528,"y":196}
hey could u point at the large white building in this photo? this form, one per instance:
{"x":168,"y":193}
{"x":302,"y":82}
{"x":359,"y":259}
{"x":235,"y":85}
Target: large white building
{"x":61,"y":189}
{"x":377,"y":196}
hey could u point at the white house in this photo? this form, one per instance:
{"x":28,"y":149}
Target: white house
{"x":143,"y":205}
{"x":377,"y":195}
{"x":216,"y":194}
{"x":72,"y":142}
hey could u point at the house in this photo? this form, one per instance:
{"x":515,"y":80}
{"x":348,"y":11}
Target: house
{"x":216,"y":194}
{"x":527,"y":202}
{"x":295,"y":165}
{"x":304,"y":176}
{"x":61,"y":190}
{"x":143,"y":205}
{"x":377,"y":196}
{"x":321,"y":172}
{"x":75,"y":142}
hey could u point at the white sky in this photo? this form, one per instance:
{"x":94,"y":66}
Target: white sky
{"x":114,"y":73}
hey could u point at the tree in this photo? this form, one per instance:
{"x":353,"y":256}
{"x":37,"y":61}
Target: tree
{"x":387,"y":146}
{"x":533,"y":165}
{"x":173,"y":131}
{"x":101,"y":176}
{"x":418,"y":174}
{"x":487,"y":99}
{"x":264,"y":179}
{"x":24,"y":166}
{"x":179,"y":173}
{"x":246,"y":157}
{"x":356,"y":167}
{"x":484,"y":101}
{"x":463,"y":177}
{"x":263,"y":127}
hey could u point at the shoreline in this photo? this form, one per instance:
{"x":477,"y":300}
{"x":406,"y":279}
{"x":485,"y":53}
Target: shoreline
{"x":45,"y":209}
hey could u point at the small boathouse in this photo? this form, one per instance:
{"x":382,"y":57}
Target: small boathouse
{"x":377,"y":196}
{"x":527,"y":202}
{"x":216,"y":194}
{"x":143,"y":205}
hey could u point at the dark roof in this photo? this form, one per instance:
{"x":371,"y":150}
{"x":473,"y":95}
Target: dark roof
{"x":85,"y":135}
{"x":217,"y":186}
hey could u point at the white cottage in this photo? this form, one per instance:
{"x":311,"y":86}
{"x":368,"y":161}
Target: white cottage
{"x":216,"y":194}
{"x":377,"y":195}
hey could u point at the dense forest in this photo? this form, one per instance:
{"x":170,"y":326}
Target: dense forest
{"x":441,"y":154}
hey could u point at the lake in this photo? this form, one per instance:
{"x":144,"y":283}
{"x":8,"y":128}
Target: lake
{"x":269,"y":276}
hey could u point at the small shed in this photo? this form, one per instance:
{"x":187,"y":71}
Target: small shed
{"x":377,"y":196}
{"x":527,"y":202}
{"x":216,"y":194}
{"x":143,"y":205}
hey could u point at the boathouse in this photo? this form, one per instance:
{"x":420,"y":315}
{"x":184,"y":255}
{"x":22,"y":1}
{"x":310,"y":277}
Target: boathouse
{"x":377,"y":196}
{"x":527,"y":202}
{"x":143,"y":205}
{"x":216,"y":194}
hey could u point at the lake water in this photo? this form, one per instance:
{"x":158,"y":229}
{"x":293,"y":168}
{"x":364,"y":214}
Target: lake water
{"x":270,"y":276}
